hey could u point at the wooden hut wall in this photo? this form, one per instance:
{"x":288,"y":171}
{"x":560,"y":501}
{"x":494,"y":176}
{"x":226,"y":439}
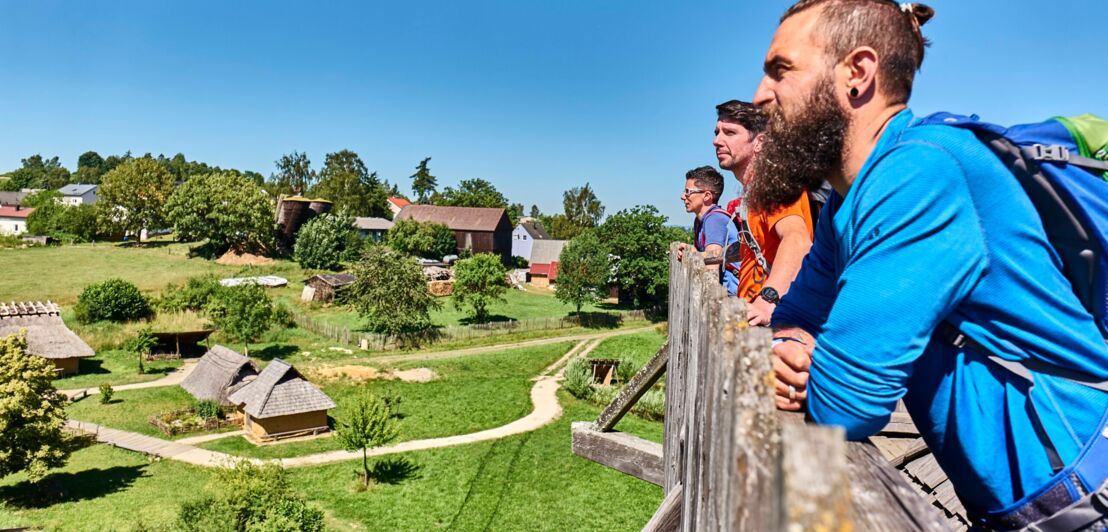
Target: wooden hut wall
{"x":261,"y":428}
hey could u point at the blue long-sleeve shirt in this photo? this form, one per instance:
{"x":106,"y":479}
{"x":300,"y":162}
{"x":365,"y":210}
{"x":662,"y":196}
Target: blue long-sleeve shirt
{"x":935,"y":228}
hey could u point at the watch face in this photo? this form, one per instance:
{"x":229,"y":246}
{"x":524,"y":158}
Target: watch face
{"x":769,"y":294}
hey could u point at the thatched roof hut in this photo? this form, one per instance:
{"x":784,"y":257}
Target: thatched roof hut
{"x":46,"y":334}
{"x":280,"y":402}
{"x":220,"y":372}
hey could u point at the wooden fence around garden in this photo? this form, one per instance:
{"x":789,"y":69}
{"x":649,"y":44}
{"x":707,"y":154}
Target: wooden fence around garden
{"x":383,"y":342}
{"x":730,"y":460}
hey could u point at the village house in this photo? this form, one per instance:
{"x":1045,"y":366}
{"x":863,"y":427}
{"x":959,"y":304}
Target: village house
{"x":11,"y":199}
{"x":73,"y":195}
{"x":524,"y":235}
{"x":281,"y":403}
{"x":372,"y":227}
{"x":396,"y":204}
{"x":219,"y":373}
{"x":544,"y":261}
{"x":477,"y":229}
{"x":46,"y":334}
{"x":13,"y":220}
{"x":324,"y":287}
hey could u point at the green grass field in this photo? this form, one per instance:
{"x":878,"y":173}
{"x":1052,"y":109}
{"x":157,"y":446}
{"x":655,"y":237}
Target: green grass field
{"x":526,"y":482}
{"x":131,"y":410}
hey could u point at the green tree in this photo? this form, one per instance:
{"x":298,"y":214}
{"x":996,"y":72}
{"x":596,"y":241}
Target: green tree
{"x":32,"y":413}
{"x":345,"y":181}
{"x":111,"y":300}
{"x":325,"y":242}
{"x":38,"y":172}
{"x":242,"y":312}
{"x":583,"y":271}
{"x":250,"y":497}
{"x":390,"y":293}
{"x":294,"y":174}
{"x":76,"y":223}
{"x":560,"y":227}
{"x":367,"y":423}
{"x":639,"y":239}
{"x":131,"y":196}
{"x":422,"y":239}
{"x":423,"y":183}
{"x":535,"y":212}
{"x":90,"y":167}
{"x":41,"y":198}
{"x":472,"y":193}
{"x":479,"y":282}
{"x":227,"y":209}
{"x":141,"y":344}
{"x":581,"y":207}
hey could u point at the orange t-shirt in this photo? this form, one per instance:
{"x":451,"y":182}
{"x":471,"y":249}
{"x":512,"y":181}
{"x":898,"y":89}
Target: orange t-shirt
{"x":751,"y":275}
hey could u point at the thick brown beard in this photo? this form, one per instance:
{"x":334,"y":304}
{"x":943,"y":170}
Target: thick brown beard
{"x":800,"y":153}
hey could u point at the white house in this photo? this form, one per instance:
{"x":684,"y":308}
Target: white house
{"x":13,"y":220}
{"x":523,"y":237}
{"x":74,"y":195}
{"x":396,"y":204}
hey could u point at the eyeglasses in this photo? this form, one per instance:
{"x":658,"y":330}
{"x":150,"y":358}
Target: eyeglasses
{"x":691,"y":191}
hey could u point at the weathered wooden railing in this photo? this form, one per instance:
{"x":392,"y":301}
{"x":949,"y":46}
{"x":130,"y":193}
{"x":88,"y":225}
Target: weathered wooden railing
{"x":730,"y":460}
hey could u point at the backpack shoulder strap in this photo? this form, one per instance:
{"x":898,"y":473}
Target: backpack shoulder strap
{"x":747,"y":237}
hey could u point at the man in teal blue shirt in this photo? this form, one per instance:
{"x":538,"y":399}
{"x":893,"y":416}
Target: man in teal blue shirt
{"x":926,"y":227}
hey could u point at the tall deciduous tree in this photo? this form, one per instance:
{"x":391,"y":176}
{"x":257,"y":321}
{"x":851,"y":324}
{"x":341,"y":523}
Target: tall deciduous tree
{"x":535,"y":212}
{"x":242,"y":312}
{"x":90,"y":167}
{"x":639,"y":239}
{"x":423,"y":183}
{"x":479,"y":282}
{"x":227,"y":209}
{"x":345,"y":181}
{"x":132,"y":196}
{"x":325,"y":242}
{"x":294,"y":174}
{"x":366,"y":423}
{"x":32,"y":413}
{"x":581,"y":207}
{"x":422,"y":239}
{"x":389,"y":291}
{"x":583,"y":271}
{"x":38,"y":172}
{"x":472,"y":193}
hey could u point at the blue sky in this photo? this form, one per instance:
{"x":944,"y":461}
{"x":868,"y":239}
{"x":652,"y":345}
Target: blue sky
{"x":536,"y":97}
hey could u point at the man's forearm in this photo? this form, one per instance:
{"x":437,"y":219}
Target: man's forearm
{"x":790,"y":255}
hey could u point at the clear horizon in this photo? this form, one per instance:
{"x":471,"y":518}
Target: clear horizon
{"x":534,"y":98}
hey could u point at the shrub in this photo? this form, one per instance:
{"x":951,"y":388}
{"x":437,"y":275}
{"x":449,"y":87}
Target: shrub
{"x":325,"y":242}
{"x":652,"y":405}
{"x":626,"y":369}
{"x":106,"y":393}
{"x":250,"y":497}
{"x":195,"y":295}
{"x":578,"y":378}
{"x":65,"y":223}
{"x":111,"y":300}
{"x":282,"y":316}
{"x":208,"y":409}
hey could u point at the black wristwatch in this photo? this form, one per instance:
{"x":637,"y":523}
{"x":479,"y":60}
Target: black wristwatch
{"x":770,"y":295}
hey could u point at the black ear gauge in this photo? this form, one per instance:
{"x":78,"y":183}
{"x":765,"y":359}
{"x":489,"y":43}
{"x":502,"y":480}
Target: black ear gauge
{"x":854,"y":92}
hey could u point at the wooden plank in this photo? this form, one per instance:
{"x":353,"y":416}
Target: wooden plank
{"x":639,"y":385}
{"x":912,"y":451}
{"x":675,"y":369}
{"x":668,"y":516}
{"x":900,"y":423}
{"x":694,"y":264}
{"x":882,"y":499}
{"x":632,"y":455}
{"x":815,"y":489}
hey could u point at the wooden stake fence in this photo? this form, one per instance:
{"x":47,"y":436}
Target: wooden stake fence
{"x":730,"y":460}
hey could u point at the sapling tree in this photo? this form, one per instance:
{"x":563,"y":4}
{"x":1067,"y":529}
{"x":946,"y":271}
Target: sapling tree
{"x":367,"y":423}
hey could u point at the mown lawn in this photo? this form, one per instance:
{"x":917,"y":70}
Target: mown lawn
{"x":526,"y":482}
{"x":470,"y":394}
{"x":115,"y":367}
{"x":638,"y":348}
{"x":131,"y":410}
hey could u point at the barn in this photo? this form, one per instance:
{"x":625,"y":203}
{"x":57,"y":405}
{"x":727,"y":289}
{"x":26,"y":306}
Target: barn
{"x":46,"y":334}
{"x":281,"y":403}
{"x":478,"y":229}
{"x":324,"y":287}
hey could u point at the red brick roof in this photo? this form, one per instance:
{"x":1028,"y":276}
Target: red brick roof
{"x":549,"y":270}
{"x":15,"y":212}
{"x":456,"y":218}
{"x":399,"y":202}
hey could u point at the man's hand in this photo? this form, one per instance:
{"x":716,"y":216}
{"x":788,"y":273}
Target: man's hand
{"x":681,"y":251}
{"x":759,"y":311}
{"x":791,"y":363}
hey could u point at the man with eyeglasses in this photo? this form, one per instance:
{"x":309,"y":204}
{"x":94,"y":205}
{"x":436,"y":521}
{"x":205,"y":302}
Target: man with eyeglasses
{"x":773,"y":243}
{"x":712,"y":228}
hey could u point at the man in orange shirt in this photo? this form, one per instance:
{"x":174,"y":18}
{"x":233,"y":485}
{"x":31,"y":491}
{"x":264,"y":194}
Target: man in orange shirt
{"x":773,"y":244}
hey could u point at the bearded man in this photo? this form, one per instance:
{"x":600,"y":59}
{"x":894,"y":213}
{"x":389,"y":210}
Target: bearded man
{"x":927,"y":233}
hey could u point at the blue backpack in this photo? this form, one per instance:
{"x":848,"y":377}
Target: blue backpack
{"x":1062,"y":164}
